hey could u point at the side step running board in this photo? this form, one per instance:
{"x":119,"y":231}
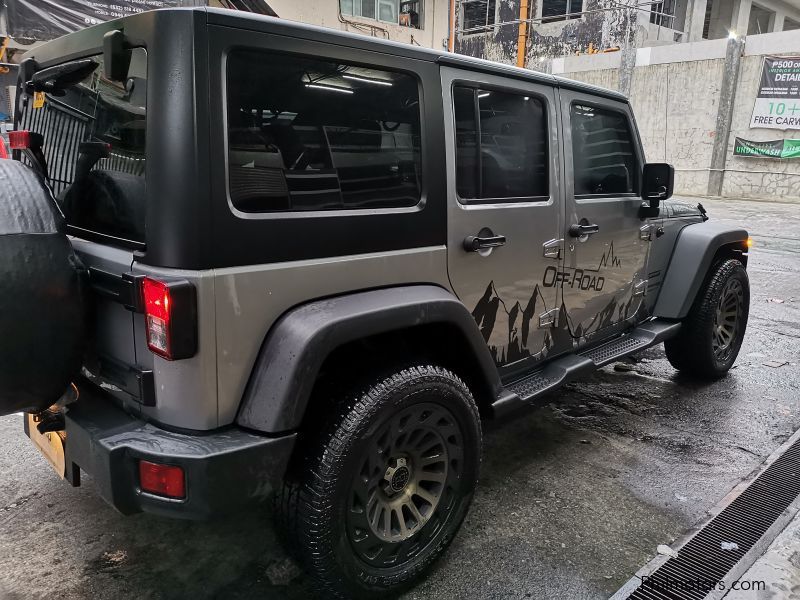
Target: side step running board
{"x":572,"y":366}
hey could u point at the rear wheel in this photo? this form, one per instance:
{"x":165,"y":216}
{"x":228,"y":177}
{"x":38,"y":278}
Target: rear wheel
{"x":712,"y":333}
{"x":382,"y":491}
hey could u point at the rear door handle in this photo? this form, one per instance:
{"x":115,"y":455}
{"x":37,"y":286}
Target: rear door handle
{"x":474,"y":243}
{"x":581,"y":230}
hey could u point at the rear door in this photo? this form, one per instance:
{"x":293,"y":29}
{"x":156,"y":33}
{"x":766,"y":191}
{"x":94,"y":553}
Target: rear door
{"x":604,"y":276}
{"x":504,"y":215}
{"x":94,"y":146}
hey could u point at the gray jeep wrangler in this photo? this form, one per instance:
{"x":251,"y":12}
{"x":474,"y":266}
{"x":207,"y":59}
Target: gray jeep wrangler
{"x":242,"y":256}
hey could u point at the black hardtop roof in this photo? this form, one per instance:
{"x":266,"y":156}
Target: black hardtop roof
{"x":67,"y":45}
{"x":255,"y":22}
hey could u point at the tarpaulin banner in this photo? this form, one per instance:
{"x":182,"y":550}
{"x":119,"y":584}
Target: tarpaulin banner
{"x":48,"y":19}
{"x":770,"y":149}
{"x":778,"y":103}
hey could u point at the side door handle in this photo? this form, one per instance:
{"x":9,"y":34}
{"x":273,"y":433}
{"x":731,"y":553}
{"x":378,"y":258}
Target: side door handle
{"x":580,"y":230}
{"x":474,"y":243}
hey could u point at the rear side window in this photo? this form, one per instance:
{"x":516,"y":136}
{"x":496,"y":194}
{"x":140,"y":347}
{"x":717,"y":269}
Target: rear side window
{"x":94,"y":146}
{"x":603,"y":153}
{"x":501,"y":145}
{"x":309,"y":134}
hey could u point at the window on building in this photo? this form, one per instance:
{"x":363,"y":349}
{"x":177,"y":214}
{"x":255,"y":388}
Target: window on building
{"x":501,"y":145}
{"x":408,"y":13}
{"x":603,"y":154}
{"x":663,"y":14}
{"x":790,"y":25}
{"x":478,"y":13}
{"x":707,"y":18}
{"x":559,"y":10}
{"x":761,"y":20}
{"x":309,"y":134}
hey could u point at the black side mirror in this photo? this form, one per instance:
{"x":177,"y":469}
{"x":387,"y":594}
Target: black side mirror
{"x":116,"y":56}
{"x":658,"y":181}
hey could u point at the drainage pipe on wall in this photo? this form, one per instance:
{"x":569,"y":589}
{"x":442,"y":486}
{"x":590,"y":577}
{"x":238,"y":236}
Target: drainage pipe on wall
{"x":522,"y":39}
{"x":451,"y":39}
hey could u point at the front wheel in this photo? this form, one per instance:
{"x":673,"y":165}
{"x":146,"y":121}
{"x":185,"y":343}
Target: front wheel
{"x":712,"y":333}
{"x":382,"y":492}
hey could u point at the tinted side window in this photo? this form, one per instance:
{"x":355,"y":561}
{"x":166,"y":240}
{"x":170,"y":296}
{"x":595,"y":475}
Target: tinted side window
{"x":501,"y":145}
{"x":603,"y":153}
{"x":308,"y":134}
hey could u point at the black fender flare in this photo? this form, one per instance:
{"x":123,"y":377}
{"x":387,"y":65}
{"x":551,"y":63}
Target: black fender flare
{"x":295,"y":348}
{"x":695,"y":249}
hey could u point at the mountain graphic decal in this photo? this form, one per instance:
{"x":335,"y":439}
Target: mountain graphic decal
{"x":609,"y":257}
{"x":508,"y":331}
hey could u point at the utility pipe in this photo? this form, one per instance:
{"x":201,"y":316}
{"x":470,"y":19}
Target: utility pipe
{"x":522,"y":39}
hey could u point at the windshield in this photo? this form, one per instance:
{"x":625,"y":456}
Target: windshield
{"x":94,"y":146}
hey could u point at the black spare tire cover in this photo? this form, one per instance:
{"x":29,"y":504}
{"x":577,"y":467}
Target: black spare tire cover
{"x":42,"y":295}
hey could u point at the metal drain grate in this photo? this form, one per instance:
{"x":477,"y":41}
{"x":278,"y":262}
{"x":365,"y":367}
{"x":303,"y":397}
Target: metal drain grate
{"x":743,"y":522}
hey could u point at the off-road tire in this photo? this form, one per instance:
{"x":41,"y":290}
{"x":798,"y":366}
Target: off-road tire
{"x":318,"y":498}
{"x":692,"y":350}
{"x":43,"y":295}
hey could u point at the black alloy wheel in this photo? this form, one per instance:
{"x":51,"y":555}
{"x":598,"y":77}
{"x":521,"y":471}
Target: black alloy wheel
{"x":382,"y":489}
{"x":712,"y":333}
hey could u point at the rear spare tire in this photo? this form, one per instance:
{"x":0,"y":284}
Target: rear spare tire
{"x":42,"y":295}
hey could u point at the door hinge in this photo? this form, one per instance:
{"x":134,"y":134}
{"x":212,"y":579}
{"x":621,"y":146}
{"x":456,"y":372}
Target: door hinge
{"x":646,"y":232}
{"x":549,"y":318}
{"x":552,"y":249}
{"x":640,"y":288}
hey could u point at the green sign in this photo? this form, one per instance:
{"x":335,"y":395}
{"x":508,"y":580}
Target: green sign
{"x":772,"y":149}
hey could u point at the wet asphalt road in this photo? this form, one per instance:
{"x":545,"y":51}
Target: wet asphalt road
{"x":574,"y":496}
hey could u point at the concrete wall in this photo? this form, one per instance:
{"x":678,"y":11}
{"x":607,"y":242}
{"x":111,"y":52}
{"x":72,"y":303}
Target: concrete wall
{"x":677,"y":95}
{"x":753,"y":177}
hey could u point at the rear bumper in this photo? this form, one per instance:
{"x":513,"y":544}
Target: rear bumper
{"x":224,"y":470}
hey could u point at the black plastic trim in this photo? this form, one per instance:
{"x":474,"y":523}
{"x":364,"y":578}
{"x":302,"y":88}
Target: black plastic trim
{"x":124,"y":288}
{"x":225,"y":470}
{"x":137,"y":382}
{"x":291,"y":356}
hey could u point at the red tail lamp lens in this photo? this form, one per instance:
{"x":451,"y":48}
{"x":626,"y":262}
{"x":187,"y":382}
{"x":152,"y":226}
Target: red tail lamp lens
{"x":162,"y":480}
{"x":157,"y":306}
{"x":170,"y":312}
{"x":19,"y":140}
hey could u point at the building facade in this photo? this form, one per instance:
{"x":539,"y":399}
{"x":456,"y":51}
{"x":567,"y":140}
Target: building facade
{"x":419,"y":22}
{"x":531,"y":33}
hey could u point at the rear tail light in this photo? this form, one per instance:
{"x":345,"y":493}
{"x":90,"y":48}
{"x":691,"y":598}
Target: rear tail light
{"x":162,"y":480}
{"x":170,"y":312}
{"x":3,"y":151}
{"x":19,"y":140}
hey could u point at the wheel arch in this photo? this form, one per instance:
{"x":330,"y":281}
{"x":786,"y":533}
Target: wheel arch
{"x":698,"y":248}
{"x":354,"y":329}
